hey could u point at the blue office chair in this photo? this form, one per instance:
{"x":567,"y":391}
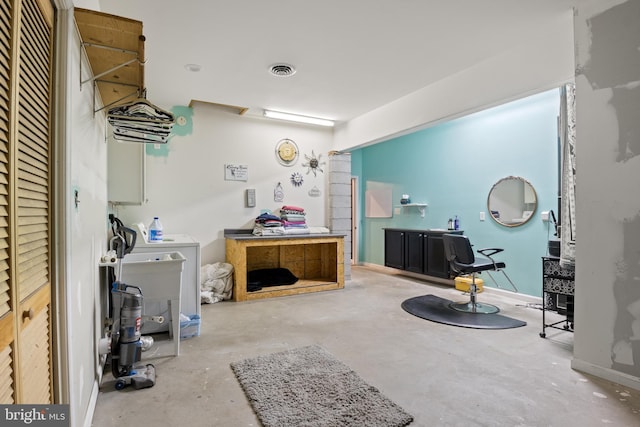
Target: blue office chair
{"x":461,"y":259}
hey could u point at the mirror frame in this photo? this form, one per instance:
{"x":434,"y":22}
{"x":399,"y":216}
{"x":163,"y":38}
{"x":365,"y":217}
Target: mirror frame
{"x":524,"y":220}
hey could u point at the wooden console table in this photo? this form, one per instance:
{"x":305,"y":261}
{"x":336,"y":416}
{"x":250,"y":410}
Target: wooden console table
{"x":317,"y":260}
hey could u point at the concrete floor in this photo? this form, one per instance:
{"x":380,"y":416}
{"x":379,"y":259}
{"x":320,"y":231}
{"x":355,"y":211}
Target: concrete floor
{"x":442,"y":375}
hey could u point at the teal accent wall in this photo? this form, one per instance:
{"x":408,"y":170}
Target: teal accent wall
{"x":452,"y":167}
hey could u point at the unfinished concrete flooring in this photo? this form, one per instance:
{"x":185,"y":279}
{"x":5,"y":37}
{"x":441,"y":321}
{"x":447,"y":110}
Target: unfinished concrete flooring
{"x":442,"y":375}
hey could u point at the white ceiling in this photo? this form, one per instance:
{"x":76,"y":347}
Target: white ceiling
{"x":351,"y":56}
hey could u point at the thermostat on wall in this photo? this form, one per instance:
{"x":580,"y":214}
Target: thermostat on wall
{"x":250,"y":197}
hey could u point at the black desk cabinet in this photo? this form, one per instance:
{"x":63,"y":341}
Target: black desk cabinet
{"x":394,"y":249}
{"x":417,"y":251}
{"x":558,"y":286}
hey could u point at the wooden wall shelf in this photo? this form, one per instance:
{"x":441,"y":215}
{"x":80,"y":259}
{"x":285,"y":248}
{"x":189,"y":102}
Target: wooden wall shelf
{"x":420,"y":206}
{"x":115,"y":49}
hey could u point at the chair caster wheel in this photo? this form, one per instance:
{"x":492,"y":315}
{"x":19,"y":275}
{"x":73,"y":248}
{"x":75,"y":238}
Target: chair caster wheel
{"x":543,"y":335}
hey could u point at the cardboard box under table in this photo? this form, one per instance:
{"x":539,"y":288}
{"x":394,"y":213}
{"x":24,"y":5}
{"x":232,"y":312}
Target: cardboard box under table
{"x":463,"y":283}
{"x":159,"y":276}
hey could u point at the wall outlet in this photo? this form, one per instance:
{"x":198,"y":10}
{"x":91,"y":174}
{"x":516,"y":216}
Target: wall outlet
{"x":544,"y":215}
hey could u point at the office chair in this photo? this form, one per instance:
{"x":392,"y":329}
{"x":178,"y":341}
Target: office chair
{"x":459,"y":253}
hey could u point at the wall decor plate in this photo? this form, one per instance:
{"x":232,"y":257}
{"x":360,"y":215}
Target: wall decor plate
{"x":313,"y":163}
{"x":287,"y":152}
{"x":296,"y":179}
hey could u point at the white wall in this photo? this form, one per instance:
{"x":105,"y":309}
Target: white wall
{"x":82,"y":236}
{"x":545,"y":62}
{"x":186,"y":186}
{"x":607,"y":329}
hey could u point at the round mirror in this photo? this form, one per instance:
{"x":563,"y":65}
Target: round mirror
{"x":512,"y":201}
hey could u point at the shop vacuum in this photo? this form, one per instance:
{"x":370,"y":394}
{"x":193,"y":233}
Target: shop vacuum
{"x":125,"y":312}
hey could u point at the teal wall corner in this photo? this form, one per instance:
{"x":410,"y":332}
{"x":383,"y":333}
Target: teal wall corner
{"x":452,"y":167}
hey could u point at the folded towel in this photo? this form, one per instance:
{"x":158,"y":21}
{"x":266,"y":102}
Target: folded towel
{"x":293,"y":217}
{"x":318,"y":230}
{"x":292,"y":208}
{"x":268,"y":231}
{"x":267,"y":216}
{"x":296,"y":231}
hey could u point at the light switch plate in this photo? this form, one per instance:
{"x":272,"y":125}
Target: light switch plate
{"x":250,"y":197}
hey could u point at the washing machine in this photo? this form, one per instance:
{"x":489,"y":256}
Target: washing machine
{"x":190,"y":250}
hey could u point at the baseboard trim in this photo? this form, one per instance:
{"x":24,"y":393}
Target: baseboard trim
{"x":504,"y":292}
{"x":424,"y":277}
{"x":606,"y":373}
{"x":93,"y":400}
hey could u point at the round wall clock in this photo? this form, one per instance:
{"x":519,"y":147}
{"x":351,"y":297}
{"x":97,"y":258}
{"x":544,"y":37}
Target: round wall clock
{"x":287,"y":152}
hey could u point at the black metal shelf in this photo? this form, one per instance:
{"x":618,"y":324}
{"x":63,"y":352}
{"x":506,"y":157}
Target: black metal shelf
{"x":557,"y":283}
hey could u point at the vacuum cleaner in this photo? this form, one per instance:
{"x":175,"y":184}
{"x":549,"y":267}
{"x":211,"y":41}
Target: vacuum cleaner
{"x":126,"y":319}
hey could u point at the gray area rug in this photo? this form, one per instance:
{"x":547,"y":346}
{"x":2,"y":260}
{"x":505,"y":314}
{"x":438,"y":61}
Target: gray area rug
{"x":308,"y":386}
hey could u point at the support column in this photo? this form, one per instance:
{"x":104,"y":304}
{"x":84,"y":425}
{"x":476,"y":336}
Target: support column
{"x":340,"y":203}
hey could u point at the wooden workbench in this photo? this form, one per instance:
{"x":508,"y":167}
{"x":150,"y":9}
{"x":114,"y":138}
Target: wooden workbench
{"x":316,"y":259}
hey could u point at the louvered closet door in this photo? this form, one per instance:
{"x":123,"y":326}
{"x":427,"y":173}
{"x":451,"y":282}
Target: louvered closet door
{"x":32,"y":206}
{"x":7,"y":320}
{"x":28,"y":229}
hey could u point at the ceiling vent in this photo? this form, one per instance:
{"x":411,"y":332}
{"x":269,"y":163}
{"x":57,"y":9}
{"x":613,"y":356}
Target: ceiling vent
{"x":282,"y":70}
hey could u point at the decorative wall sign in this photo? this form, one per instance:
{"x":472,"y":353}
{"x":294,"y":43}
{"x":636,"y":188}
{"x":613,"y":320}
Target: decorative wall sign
{"x":287,"y":152}
{"x":236,"y":172}
{"x":296,"y":179}
{"x":278,"y":193}
{"x":314,"y":192}
{"x":313,"y":163}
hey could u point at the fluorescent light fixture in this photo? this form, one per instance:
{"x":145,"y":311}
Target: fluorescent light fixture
{"x":297,"y":118}
{"x":194,"y":68}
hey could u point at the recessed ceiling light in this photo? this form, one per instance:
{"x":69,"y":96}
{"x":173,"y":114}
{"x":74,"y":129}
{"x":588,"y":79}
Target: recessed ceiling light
{"x":282,"y":70}
{"x":193,"y":67}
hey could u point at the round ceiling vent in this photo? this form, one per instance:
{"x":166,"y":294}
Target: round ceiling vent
{"x":282,"y":70}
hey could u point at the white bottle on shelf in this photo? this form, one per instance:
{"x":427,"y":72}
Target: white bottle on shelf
{"x":155,"y":230}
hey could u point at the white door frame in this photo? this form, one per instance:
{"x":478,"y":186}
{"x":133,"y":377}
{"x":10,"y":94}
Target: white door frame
{"x":355,"y":208}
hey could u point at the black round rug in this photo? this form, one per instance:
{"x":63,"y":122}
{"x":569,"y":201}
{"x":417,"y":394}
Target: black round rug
{"x":436,"y":309}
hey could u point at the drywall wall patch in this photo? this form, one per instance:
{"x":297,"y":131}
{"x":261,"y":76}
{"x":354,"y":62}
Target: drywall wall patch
{"x":614,"y":61}
{"x":157,"y":150}
{"x":614,"y":57}
{"x":625,"y":101}
{"x":625,"y":350}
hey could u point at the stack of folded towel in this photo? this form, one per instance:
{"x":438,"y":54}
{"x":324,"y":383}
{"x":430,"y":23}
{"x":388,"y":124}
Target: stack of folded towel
{"x":268,"y":224}
{"x":293,"y":220}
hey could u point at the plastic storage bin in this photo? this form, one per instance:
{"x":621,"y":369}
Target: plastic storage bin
{"x":159,"y":276}
{"x":190,"y":328}
{"x":463,"y":282}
